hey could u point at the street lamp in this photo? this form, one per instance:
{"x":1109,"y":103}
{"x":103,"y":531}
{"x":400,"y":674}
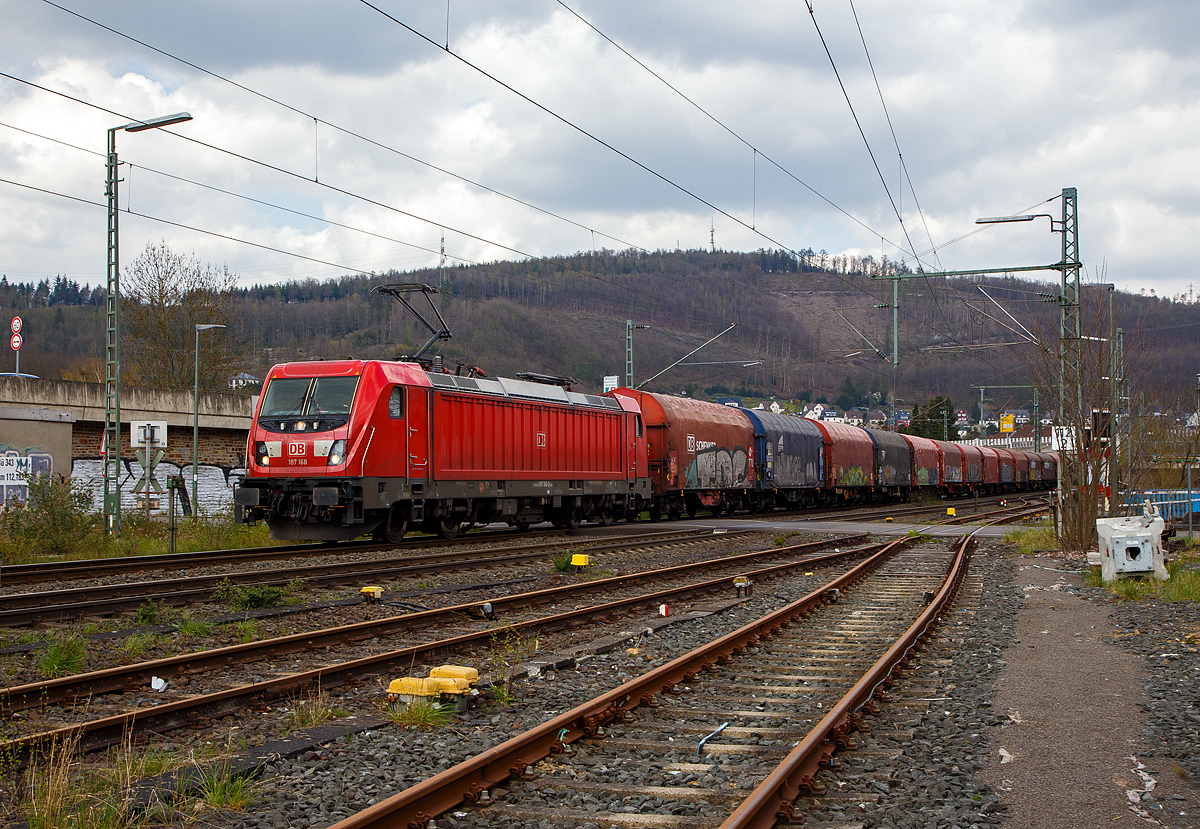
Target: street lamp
{"x":112,"y":343}
{"x":196,"y":417}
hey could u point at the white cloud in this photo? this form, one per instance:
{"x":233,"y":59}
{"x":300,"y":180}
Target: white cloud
{"x":996,"y":106}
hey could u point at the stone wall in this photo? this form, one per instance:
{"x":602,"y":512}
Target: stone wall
{"x":221,"y":447}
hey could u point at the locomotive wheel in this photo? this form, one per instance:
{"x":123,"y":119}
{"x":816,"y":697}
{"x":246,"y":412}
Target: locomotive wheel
{"x":605,"y":517}
{"x":394,"y":527}
{"x":521,"y":525}
{"x":447,"y":527}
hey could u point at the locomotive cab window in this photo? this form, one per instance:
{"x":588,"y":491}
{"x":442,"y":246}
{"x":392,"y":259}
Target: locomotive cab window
{"x":396,"y":403}
{"x":287,"y":397}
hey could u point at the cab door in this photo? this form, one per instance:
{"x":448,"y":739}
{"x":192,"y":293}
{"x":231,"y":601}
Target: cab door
{"x":418,"y":437}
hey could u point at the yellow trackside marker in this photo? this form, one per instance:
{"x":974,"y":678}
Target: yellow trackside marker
{"x":580,"y":560}
{"x":949,"y":510}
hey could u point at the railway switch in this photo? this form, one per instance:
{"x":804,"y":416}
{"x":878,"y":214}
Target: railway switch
{"x":1132,"y":545}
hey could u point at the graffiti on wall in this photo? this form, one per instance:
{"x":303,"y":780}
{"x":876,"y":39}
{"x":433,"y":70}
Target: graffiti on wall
{"x":16,"y":467}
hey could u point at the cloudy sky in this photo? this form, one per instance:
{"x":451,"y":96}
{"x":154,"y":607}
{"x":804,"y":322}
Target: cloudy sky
{"x":380,"y":139}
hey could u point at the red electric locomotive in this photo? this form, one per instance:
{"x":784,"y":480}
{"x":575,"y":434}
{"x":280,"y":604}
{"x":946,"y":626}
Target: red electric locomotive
{"x":344,"y":448}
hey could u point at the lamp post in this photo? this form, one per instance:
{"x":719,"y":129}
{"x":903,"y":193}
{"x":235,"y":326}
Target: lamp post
{"x":112,"y":342}
{"x":196,"y":418}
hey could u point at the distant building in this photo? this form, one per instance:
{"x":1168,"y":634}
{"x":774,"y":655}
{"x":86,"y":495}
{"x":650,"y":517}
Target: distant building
{"x":728,"y":401}
{"x":242,"y":380}
{"x":962,"y":417}
{"x":877,"y":418}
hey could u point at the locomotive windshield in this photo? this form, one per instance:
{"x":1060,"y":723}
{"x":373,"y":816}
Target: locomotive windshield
{"x":304,"y":396}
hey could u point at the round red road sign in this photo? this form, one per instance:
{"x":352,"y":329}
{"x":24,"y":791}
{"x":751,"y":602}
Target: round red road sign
{"x":16,"y":325}
{"x":16,"y":342}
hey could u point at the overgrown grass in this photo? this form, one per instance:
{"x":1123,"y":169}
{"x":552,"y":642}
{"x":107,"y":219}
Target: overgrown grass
{"x":511,"y":648}
{"x":247,"y":596}
{"x":222,"y":788}
{"x":57,"y":522}
{"x":1033,"y":540}
{"x":148,"y":613}
{"x":248,"y":629}
{"x":65,"y":655}
{"x":59,"y":792}
{"x":561,"y":560}
{"x":782,"y":540}
{"x":187,"y":625}
{"x":420,"y":715}
{"x":315,"y":708}
{"x":135,"y":645}
{"x":1183,"y":586}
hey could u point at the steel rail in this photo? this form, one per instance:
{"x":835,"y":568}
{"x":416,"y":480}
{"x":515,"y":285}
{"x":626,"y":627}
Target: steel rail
{"x":110,"y":730}
{"x":466,"y":782}
{"x":772,"y":801}
{"x":17,"y":609}
{"x":93,"y":567}
{"x":114,"y":680}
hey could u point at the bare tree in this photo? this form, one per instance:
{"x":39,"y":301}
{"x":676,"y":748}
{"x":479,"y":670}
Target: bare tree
{"x":164,"y":296}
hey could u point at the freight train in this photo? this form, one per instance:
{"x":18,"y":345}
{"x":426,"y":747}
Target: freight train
{"x":346,"y":448}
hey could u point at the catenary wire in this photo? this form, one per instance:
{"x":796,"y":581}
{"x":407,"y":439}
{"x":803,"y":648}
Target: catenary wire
{"x":626,"y":288}
{"x":419,"y":218}
{"x":352,"y":133}
{"x":892,"y":129}
{"x":726,"y":127}
{"x":435,"y":167}
{"x":419,"y":161}
{"x":240,"y":196}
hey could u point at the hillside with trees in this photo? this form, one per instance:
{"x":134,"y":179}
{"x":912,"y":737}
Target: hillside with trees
{"x":807,"y":329}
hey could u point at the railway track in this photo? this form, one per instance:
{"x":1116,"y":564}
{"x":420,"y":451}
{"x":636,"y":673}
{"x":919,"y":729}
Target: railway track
{"x":770,"y":702}
{"x":19,"y":609}
{"x":99,"y":567}
{"x":87,"y":689}
{"x":60,"y":571}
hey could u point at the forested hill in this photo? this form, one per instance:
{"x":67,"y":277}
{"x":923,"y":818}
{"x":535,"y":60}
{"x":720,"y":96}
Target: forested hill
{"x":811,"y":328}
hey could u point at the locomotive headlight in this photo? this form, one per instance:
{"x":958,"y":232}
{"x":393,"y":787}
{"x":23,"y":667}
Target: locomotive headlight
{"x":260,"y":454}
{"x":337,"y":453}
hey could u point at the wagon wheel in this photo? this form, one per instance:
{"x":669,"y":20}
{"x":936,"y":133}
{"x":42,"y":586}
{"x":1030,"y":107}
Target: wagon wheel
{"x":572,"y":520}
{"x":675,"y":512}
{"x":520,"y":525}
{"x":447,"y":527}
{"x":655,"y":510}
{"x":691,"y":508}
